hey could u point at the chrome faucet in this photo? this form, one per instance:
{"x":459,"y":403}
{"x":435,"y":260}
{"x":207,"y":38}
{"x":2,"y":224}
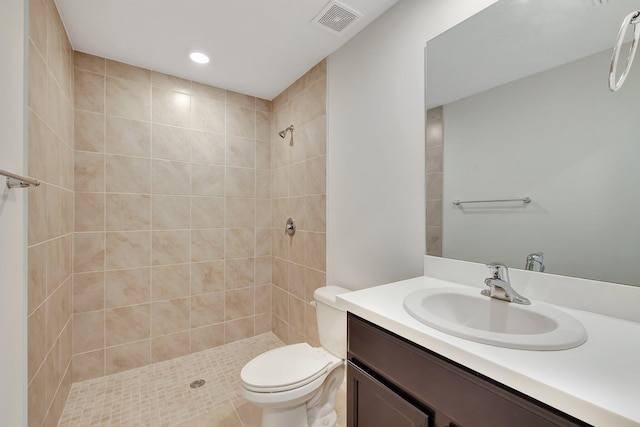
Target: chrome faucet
{"x":535,"y":262}
{"x":500,"y":287}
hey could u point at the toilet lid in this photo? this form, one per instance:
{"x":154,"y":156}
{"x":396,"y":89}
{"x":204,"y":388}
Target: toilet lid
{"x":285,"y":368}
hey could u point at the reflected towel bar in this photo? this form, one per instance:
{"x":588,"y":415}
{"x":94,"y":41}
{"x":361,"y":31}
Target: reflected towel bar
{"x":524,"y":200}
{"x":17,"y":181}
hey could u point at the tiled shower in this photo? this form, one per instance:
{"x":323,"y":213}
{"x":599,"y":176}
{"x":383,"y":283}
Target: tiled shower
{"x":159,"y":228}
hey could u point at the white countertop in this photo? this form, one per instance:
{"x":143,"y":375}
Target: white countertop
{"x":597,"y":382}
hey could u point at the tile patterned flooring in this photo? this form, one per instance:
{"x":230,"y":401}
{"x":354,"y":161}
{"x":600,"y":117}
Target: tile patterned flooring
{"x":159,"y":395}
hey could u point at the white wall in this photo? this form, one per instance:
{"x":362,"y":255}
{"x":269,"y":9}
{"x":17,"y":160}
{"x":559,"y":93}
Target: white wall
{"x":562,"y":138}
{"x":13,"y":355}
{"x":375,"y":152}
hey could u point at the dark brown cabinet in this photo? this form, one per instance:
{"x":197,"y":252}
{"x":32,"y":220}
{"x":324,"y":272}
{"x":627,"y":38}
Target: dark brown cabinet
{"x":393,"y":382}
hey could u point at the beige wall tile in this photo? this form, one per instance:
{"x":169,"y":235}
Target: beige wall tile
{"x":207,"y":147}
{"x":85,"y":61}
{"x":316,"y":178}
{"x":263,"y":155}
{"x":263,"y":300}
{"x":263,"y":212}
{"x":170,"y":107}
{"x":264,"y":105}
{"x":126,"y":324}
{"x":38,"y":81}
{"x":88,"y":292}
{"x":207,"y":114}
{"x":315,"y":250}
{"x":297,"y":316}
{"x":280,"y":328}
{"x":238,"y":303}
{"x":207,"y":180}
{"x":240,"y":213}
{"x":239,"y":243}
{"x":316,"y":100}
{"x":88,"y":252}
{"x":38,"y":25}
{"x":37,"y":215}
{"x":207,"y":309}
{"x":316,"y":212}
{"x":128,"y":137}
{"x":37,"y":399}
{"x":241,"y":100}
{"x":38,"y":139}
{"x":240,"y":329}
{"x":127,"y":287}
{"x":169,"y":346}
{"x":263,"y":183}
{"x":207,"y":245}
{"x":264,"y":131}
{"x":180,"y":211}
{"x":88,"y":331}
{"x":128,"y":212}
{"x":170,"y":177}
{"x":240,"y":122}
{"x":169,"y":282}
{"x":207,"y":337}
{"x":89,"y":91}
{"x":127,"y":356}
{"x":296,"y":280}
{"x":170,"y":212}
{"x":206,"y":91}
{"x":314,"y":279}
{"x":89,"y":172}
{"x":128,"y":72}
{"x":170,"y":143}
{"x":125,"y":98}
{"x":37,"y":276}
{"x":89,"y":131}
{"x":264,"y":268}
{"x":207,"y":212}
{"x":239,"y":273}
{"x":207,"y":277}
{"x":240,"y":182}
{"x":127,"y":249}
{"x":264,"y":242}
{"x":36,"y":340}
{"x":241,"y":152}
{"x":170,"y":247}
{"x":127,"y":174}
{"x":89,"y":365}
{"x":168,"y":317}
{"x":166,"y":81}
{"x":280,"y":303}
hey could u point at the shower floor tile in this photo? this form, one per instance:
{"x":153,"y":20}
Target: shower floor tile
{"x":159,"y":395}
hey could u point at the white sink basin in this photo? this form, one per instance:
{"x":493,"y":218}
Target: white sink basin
{"x":465,"y":313}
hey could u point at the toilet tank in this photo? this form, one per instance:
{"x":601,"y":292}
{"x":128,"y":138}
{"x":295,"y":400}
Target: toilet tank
{"x":332,"y":320}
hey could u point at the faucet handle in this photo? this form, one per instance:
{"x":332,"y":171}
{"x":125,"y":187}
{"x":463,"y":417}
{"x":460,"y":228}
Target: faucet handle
{"x":499,"y":271}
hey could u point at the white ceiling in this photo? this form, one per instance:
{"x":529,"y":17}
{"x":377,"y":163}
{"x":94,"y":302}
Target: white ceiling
{"x":257,"y":47}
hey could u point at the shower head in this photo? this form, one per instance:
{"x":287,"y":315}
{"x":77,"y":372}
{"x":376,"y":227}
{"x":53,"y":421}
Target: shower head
{"x":283,"y":133}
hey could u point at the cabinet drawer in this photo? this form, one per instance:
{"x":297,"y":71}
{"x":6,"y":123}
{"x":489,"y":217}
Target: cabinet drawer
{"x":453,"y":392}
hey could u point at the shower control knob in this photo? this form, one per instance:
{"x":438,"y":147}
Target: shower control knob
{"x":290,"y":227}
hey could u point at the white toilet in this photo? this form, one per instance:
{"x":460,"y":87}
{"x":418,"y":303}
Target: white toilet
{"x":296,"y":385}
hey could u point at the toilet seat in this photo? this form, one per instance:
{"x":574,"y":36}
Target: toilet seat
{"x":286,"y":368}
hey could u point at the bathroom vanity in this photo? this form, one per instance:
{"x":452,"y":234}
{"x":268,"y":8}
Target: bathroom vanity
{"x":402,"y":372}
{"x":394,"y":382}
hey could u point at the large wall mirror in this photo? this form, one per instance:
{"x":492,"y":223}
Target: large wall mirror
{"x":518,"y":105}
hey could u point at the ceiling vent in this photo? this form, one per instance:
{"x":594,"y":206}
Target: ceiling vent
{"x":336,"y":17}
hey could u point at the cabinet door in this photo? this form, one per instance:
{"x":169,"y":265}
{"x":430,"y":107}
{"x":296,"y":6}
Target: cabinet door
{"x":375,"y":405}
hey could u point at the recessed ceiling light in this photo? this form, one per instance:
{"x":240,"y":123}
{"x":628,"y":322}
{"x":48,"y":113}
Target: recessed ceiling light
{"x":198,"y":57}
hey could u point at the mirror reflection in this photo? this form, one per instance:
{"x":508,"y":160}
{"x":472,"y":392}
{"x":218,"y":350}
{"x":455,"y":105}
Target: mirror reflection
{"x":518,"y":105}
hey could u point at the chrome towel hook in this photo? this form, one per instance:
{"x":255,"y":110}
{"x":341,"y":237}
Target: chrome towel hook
{"x":631,"y":19}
